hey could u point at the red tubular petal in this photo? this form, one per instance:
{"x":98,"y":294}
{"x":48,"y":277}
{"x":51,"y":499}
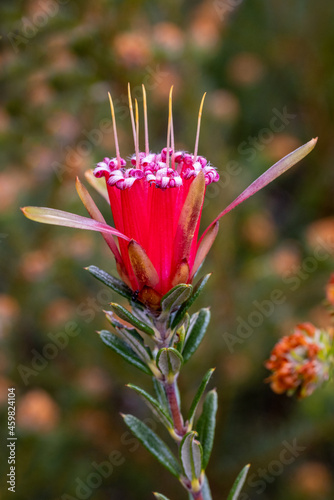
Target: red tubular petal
{"x":187,"y":228}
{"x":163,"y":212}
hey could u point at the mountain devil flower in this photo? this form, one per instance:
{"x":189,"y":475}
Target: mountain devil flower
{"x":156,"y":201}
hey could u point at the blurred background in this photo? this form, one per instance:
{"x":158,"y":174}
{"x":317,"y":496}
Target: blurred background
{"x":267,"y":66}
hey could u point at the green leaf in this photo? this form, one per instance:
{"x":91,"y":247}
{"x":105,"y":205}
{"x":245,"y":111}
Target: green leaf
{"x":196,"y":333}
{"x":117,"y":345}
{"x":161,"y":394}
{"x":184,"y":308}
{"x":136,"y":343}
{"x":238,"y":484}
{"x":130,"y":318}
{"x":175,"y":297}
{"x":206,"y":425}
{"x":169,"y":361}
{"x":159,"y":496}
{"x":191,"y":456}
{"x":206,"y":493}
{"x":153,"y":444}
{"x":154,"y":405}
{"x":199,"y":394}
{"x":114,"y":283}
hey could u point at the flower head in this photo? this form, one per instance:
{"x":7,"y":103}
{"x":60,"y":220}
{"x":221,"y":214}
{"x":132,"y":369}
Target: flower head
{"x":301,"y":362}
{"x":156,"y":202}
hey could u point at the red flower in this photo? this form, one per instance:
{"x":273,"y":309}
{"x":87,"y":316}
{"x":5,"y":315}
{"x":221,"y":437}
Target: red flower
{"x":156,"y":206}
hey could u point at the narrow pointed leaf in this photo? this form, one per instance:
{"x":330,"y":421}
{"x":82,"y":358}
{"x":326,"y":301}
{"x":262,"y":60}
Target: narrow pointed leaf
{"x":161,"y":394}
{"x":206,"y":425}
{"x":189,"y":218}
{"x":199,"y":394}
{"x":117,"y":345}
{"x":98,"y":184}
{"x":114,"y":283}
{"x":238,"y":484}
{"x":176,"y":297}
{"x":143,"y":268}
{"x":154,"y":405}
{"x":271,"y":174}
{"x":204,"y":247}
{"x":153,"y":444}
{"x":130,"y":318}
{"x":191,"y":456}
{"x":159,"y":496}
{"x":95,"y":214}
{"x":206,"y":493}
{"x":60,"y":218}
{"x":169,"y":361}
{"x":196,"y":333}
{"x":198,"y":288}
{"x":135,"y":342}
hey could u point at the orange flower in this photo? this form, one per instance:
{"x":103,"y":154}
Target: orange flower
{"x":301,"y":361}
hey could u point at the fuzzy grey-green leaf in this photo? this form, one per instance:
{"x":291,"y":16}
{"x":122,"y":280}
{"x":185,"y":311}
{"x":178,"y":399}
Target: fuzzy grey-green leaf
{"x":198,"y":288}
{"x":130,"y":318}
{"x":117,"y":345}
{"x":175,"y":297}
{"x":135,"y":342}
{"x":238,"y":484}
{"x":191,"y":456}
{"x":153,"y":444}
{"x":196,"y":333}
{"x":198,"y":394}
{"x":160,"y":393}
{"x":169,"y":361}
{"x":159,"y":496}
{"x":154,"y":405}
{"x":114,"y":283}
{"x":206,"y":425}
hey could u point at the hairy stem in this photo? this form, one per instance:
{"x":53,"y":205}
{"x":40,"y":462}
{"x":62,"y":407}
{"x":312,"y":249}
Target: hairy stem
{"x":170,"y":389}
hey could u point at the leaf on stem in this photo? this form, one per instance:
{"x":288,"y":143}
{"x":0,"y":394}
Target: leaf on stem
{"x":176,"y":297}
{"x":114,"y":283}
{"x":136,"y":343}
{"x":238,"y":484}
{"x":196,"y":333}
{"x":206,"y":425}
{"x":161,"y":394}
{"x":169,"y":361}
{"x":191,"y":456}
{"x":153,"y":444}
{"x":125,"y":315}
{"x":186,"y":305}
{"x":117,"y":345}
{"x":154,"y":405}
{"x":159,"y":496}
{"x":199,"y":394}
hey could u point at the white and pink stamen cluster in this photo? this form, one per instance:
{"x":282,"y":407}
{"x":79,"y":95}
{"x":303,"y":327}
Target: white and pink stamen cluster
{"x":154,"y":168}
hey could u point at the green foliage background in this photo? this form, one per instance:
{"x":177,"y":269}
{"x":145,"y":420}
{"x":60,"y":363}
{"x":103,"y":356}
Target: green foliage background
{"x":59,"y":59}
